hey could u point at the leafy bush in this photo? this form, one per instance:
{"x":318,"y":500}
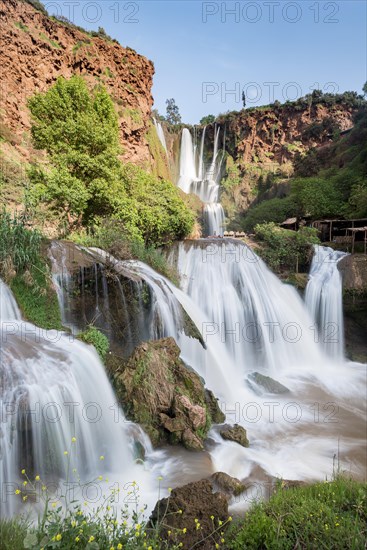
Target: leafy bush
{"x":97,"y":339}
{"x":37,"y":5}
{"x":86,"y":180}
{"x":324,"y":515}
{"x":273,"y":210}
{"x":318,"y":197}
{"x":285,"y":249}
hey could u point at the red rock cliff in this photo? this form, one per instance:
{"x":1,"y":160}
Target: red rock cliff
{"x":36,"y":50}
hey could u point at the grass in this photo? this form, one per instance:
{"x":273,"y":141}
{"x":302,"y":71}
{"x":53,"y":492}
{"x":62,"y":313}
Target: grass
{"x":316,"y":517}
{"x":321,"y":516}
{"x":36,"y":297}
{"x":52,"y":43}
{"x":21,"y":26}
{"x":24,"y":267}
{"x":13,"y":533}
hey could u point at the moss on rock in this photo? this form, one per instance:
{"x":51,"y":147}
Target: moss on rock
{"x":160,"y":393}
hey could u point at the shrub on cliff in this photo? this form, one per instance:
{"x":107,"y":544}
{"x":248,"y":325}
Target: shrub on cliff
{"x":285,"y":249}
{"x":85,"y":179}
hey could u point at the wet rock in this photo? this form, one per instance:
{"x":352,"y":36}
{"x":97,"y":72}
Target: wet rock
{"x":158,"y":392}
{"x":188,"y":506}
{"x":235,"y":433}
{"x":227,"y":483}
{"x":265,"y":384}
{"x":212,"y":404}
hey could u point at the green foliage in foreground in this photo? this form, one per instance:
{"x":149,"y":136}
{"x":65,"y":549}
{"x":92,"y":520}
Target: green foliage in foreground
{"x":320,"y":516}
{"x":97,"y":339}
{"x":285,"y":249}
{"x":85,"y":180}
{"x":24,"y":268}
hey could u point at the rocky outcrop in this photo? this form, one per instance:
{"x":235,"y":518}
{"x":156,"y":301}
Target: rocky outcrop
{"x":275,"y":134}
{"x":354,"y":272}
{"x":166,"y":398}
{"x":235,"y":433}
{"x":37,"y":49}
{"x":193,"y":516}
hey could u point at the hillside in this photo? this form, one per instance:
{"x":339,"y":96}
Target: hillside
{"x":37,"y":49}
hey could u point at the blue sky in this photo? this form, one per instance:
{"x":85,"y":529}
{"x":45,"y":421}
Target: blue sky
{"x":206,"y":53}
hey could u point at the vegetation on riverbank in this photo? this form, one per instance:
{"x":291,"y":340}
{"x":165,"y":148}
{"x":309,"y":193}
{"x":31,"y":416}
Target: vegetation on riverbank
{"x":323,"y":515}
{"x":24,"y":267}
{"x":283,"y":249}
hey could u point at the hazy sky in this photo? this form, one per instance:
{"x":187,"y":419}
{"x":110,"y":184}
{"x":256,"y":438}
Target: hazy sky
{"x":206,"y":53}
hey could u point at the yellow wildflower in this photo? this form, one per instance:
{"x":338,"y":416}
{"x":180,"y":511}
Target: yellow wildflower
{"x":73,"y":439}
{"x":58,"y":537}
{"x":37,"y":478}
{"x":17,"y":492}
{"x":91,"y":539}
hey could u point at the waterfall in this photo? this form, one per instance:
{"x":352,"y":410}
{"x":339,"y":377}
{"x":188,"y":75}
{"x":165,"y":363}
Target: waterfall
{"x":160,"y":133}
{"x":248,"y":320}
{"x":324,"y":299}
{"x":187,"y":162}
{"x":194,"y":178}
{"x":54,"y":388}
{"x":257,"y":323}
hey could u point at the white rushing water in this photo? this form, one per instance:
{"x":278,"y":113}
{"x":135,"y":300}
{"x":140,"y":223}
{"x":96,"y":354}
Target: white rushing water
{"x":54,"y":388}
{"x":249,"y":320}
{"x":160,"y":133}
{"x":263,"y":325}
{"x":324,"y":299}
{"x":205,"y":182}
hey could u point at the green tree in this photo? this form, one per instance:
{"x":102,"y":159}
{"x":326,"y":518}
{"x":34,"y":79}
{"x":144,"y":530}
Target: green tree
{"x":317,"y":197}
{"x":85,"y":181}
{"x":209,"y":119}
{"x":172,"y":112}
{"x":79,"y":131}
{"x":364,"y":89}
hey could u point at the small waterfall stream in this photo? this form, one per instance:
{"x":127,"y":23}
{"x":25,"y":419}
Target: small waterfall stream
{"x":205,"y":183}
{"x":324,"y":300}
{"x":160,"y":132}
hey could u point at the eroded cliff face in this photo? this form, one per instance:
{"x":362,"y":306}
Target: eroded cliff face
{"x":277,"y":133}
{"x":37,"y":49}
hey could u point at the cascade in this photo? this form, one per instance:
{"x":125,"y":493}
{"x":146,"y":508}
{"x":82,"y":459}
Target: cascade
{"x":324,"y":299}
{"x":160,"y":133}
{"x":262,"y":325}
{"x":249,"y":320}
{"x":54,"y":388}
{"x":194,"y":178}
